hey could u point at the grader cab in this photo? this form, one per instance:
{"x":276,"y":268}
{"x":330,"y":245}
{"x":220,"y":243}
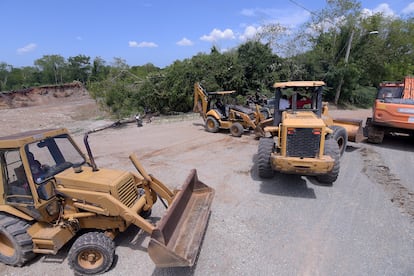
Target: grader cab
{"x":52,"y":193}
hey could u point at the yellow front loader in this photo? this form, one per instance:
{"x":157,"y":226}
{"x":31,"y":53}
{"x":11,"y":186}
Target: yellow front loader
{"x":298,"y":140}
{"x":52,"y":193}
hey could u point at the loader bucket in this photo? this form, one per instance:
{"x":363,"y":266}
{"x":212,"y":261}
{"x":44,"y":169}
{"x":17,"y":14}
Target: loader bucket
{"x":353,"y":128}
{"x":177,"y":237}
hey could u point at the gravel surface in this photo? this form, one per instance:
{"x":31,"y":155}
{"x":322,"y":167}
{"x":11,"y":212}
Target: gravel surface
{"x":287,"y":225}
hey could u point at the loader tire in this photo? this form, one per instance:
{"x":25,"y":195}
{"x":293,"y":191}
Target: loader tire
{"x":16,"y":246}
{"x":212,"y":125}
{"x":331,"y":149}
{"x":264,"y":167}
{"x":341,"y":138}
{"x":92,"y":253}
{"x":236,"y":129}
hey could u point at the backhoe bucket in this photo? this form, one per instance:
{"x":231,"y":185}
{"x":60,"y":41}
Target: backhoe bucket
{"x":353,"y":128}
{"x":178,"y":235}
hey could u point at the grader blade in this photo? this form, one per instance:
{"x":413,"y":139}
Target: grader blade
{"x":177,"y":237}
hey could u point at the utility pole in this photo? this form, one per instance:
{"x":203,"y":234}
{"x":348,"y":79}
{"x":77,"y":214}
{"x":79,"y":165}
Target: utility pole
{"x":348,"y":50}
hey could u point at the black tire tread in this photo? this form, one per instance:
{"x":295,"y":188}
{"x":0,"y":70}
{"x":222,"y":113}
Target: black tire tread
{"x":236,"y":129}
{"x":93,"y":239}
{"x":340,"y":133}
{"x":17,"y":230}
{"x":216,"y":124}
{"x":331,"y":149}
{"x":264,"y":167}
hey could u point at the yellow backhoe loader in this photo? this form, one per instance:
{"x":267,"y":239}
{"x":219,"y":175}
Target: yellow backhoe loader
{"x":52,"y":193}
{"x":219,"y":115}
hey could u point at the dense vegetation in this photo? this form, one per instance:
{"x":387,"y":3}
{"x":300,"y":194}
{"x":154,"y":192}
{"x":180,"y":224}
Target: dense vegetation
{"x":350,"y":51}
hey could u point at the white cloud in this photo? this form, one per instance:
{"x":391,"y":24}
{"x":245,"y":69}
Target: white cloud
{"x":217,"y":34}
{"x":185,"y":42}
{"x":249,"y":33}
{"x":290,"y":18}
{"x":79,"y":38}
{"x":144,"y":44}
{"x":408,"y":9}
{"x":27,"y":49}
{"x":248,"y":12}
{"x":383,"y":9}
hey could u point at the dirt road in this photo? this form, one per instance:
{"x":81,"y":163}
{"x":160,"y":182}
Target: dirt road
{"x":288,"y":225}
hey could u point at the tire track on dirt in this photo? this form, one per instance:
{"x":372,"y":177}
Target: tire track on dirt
{"x":376,"y":169}
{"x":188,"y":145}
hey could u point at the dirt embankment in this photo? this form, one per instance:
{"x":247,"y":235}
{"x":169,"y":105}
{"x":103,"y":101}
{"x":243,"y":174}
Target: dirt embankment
{"x":41,"y":95}
{"x":67,"y":105}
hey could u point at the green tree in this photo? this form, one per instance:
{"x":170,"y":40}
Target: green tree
{"x":258,"y":63}
{"x":52,"y":68}
{"x":79,"y":68}
{"x":99,"y":70}
{"x":5,"y":70}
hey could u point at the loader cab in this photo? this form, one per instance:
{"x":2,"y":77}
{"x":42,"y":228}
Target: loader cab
{"x":28,"y":170}
{"x":302,"y":96}
{"x":55,"y":154}
{"x":220,"y":102}
{"x":16,"y":188}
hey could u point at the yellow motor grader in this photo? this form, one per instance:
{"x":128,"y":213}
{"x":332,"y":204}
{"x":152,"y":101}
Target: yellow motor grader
{"x":52,"y":193}
{"x":219,"y":115}
{"x":303,"y":138}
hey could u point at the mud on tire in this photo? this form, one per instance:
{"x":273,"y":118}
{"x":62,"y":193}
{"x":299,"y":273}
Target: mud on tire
{"x":15,"y":244}
{"x":212,"y":125}
{"x":331,"y":149}
{"x":263,"y":159}
{"x":91,"y":253}
{"x":236,"y":129}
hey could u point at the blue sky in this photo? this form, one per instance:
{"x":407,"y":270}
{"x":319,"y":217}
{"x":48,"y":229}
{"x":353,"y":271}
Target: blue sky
{"x":140,"y":32}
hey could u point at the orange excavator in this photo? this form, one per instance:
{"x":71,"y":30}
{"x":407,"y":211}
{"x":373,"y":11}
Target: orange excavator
{"x":393,"y":111}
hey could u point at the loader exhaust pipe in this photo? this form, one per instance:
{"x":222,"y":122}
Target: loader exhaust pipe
{"x":88,"y":149}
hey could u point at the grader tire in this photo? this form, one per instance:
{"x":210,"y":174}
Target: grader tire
{"x":92,"y":253}
{"x":263,"y":159}
{"x":236,"y":130}
{"x":331,"y":149}
{"x":15,"y":244}
{"x":212,"y":125}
